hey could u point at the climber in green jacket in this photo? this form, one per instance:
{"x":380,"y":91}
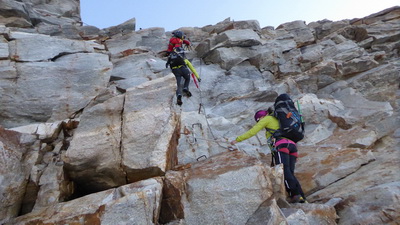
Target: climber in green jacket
{"x":264,"y":120}
{"x":284,"y":151}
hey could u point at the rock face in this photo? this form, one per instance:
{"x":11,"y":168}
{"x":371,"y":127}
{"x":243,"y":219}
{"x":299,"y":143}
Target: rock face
{"x":225,"y":189}
{"x":137,"y":203}
{"x":70,"y":72}
{"x":12,"y":173}
{"x":125,"y":139}
{"x":90,"y":132}
{"x":32,"y":13}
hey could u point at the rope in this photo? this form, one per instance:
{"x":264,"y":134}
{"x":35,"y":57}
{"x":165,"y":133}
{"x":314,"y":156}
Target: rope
{"x":204,"y":111}
{"x":205,"y":139}
{"x":230,"y":148}
{"x":201,"y":106}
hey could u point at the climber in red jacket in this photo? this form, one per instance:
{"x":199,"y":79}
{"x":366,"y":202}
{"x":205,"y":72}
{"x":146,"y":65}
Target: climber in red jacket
{"x":177,"y":41}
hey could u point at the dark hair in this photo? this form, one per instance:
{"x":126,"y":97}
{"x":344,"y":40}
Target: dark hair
{"x":270,"y":110}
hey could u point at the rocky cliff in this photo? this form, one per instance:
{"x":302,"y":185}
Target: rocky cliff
{"x":90,"y":132}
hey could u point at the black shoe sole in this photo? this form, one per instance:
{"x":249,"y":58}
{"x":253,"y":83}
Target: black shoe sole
{"x":187,"y":93}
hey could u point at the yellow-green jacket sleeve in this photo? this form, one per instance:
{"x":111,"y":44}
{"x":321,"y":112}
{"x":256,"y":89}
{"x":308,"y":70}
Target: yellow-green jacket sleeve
{"x":269,"y":122}
{"x":189,"y":64}
{"x":253,"y":131}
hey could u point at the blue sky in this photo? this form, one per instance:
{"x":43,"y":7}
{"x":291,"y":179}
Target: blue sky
{"x":172,"y":14}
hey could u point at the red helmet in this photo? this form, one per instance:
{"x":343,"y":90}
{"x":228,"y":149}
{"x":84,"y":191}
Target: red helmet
{"x":260,"y":114}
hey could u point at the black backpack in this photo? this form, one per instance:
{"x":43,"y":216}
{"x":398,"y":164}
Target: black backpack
{"x":176,"y":58}
{"x":290,"y":121}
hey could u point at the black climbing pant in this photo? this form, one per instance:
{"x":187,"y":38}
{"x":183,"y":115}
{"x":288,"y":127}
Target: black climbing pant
{"x":181,"y":72}
{"x":287,"y":155}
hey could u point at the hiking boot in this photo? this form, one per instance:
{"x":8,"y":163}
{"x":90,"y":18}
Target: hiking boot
{"x":303,"y":200}
{"x":179,"y":100}
{"x":187,"y":93}
{"x":298,"y":199}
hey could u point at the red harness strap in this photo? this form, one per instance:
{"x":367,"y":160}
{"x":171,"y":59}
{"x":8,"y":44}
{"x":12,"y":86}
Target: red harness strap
{"x":286,"y":150}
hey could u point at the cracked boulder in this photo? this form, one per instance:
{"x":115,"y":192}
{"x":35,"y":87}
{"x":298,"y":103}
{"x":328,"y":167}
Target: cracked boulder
{"x":71,"y":81}
{"x":29,"y":13}
{"x":125,"y":139}
{"x":312,"y":214}
{"x":93,"y":159}
{"x":369,"y":195}
{"x":150,"y":129}
{"x":137,"y":203}
{"x":146,"y":67}
{"x":302,"y":34}
{"x":152,"y":39}
{"x":13,"y":174}
{"x":46,"y":47}
{"x":318,"y":167}
{"x":46,"y":132}
{"x":225,"y":40}
{"x":227,"y":188}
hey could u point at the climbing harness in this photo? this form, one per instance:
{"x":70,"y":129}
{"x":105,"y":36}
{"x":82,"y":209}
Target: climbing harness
{"x":271,"y":144}
{"x":176,"y":67}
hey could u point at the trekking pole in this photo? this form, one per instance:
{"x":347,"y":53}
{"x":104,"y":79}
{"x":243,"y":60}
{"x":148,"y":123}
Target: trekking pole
{"x":195,"y":81}
{"x":201,"y":99}
{"x":301,"y":116}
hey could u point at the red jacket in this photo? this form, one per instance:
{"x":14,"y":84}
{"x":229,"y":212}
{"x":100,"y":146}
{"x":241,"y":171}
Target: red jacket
{"x":176,"y":42}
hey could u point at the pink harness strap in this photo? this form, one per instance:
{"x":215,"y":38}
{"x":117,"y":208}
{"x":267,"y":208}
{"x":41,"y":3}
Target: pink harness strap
{"x":286,"y":150}
{"x":284,"y":141}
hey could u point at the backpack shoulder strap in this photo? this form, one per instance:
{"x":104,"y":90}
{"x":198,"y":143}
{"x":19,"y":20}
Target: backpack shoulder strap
{"x":271,"y":131}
